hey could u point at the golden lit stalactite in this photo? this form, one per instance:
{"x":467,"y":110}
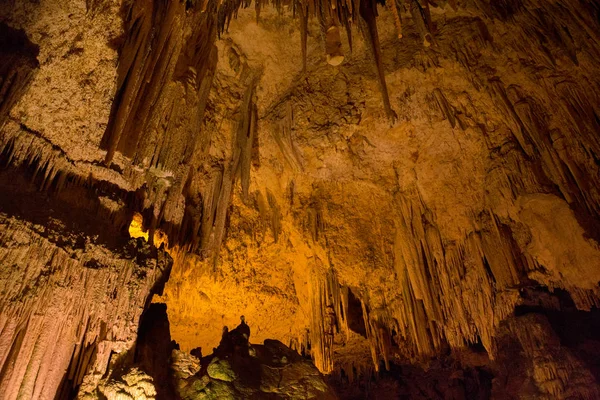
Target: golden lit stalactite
{"x":368,"y":26}
{"x":419,"y":20}
{"x":130,"y":116}
{"x":303,"y":17}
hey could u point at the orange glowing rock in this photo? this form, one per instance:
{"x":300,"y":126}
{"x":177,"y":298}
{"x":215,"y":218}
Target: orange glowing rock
{"x":136,"y":230}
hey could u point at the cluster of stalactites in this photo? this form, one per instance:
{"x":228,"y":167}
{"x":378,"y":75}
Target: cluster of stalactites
{"x":451,"y":294}
{"x":72,"y":310}
{"x":334,"y":15}
{"x":330,"y":327}
{"x":328,"y":317}
{"x":186,"y":78}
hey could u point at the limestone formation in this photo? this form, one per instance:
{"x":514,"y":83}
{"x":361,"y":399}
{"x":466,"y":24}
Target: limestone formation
{"x":399,"y":191}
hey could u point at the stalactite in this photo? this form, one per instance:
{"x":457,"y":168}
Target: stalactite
{"x":427,"y":14}
{"x":517,"y":127}
{"x":333,"y":43}
{"x":370,"y":336}
{"x":342,"y":310}
{"x":257,"y":7}
{"x":445,"y":107}
{"x":322,"y":14}
{"x":368,"y":26}
{"x":282,"y":133}
{"x":320,"y":353}
{"x":316,"y":224}
{"x":303,"y":16}
{"x":17,"y":64}
{"x":247,"y":128}
{"x":275,"y":222}
{"x":395,"y":9}
{"x":329,"y":317}
{"x":419,"y":21}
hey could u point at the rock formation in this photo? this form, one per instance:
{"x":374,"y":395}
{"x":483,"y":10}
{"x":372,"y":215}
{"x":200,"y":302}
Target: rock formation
{"x":239,"y":370}
{"x":396,"y":189}
{"x":71,"y":296}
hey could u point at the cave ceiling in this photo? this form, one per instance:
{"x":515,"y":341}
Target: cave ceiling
{"x":368,"y":183}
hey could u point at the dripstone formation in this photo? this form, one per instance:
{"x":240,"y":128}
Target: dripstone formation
{"x":404,"y":193}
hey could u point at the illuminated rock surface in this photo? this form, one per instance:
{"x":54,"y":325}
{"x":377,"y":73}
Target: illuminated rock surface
{"x":406,"y":193}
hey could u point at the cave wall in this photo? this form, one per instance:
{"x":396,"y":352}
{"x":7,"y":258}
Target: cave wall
{"x":484,"y":185}
{"x":73,"y":284}
{"x":290,"y":191}
{"x":72,"y":292}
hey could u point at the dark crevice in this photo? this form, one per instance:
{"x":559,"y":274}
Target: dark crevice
{"x":18,"y":62}
{"x":355,"y":319}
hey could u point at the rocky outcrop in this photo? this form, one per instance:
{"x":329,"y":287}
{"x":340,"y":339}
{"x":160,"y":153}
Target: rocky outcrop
{"x":239,"y":370}
{"x":143,"y":370}
{"x":134,"y":385}
{"x":153,"y":349}
{"x":236,"y":369}
{"x":554,"y":372}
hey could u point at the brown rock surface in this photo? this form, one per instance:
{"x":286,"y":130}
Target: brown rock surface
{"x":392,"y":210}
{"x":70,"y":299}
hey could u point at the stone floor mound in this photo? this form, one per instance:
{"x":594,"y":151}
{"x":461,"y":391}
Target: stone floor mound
{"x":240,"y":370}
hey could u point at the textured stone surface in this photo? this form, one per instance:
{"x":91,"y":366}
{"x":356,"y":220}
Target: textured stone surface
{"x":220,"y":370}
{"x":70,"y":96}
{"x":134,"y":385}
{"x":66,"y":307}
{"x":434,"y":223}
{"x":238,"y":370}
{"x":391,"y":209}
